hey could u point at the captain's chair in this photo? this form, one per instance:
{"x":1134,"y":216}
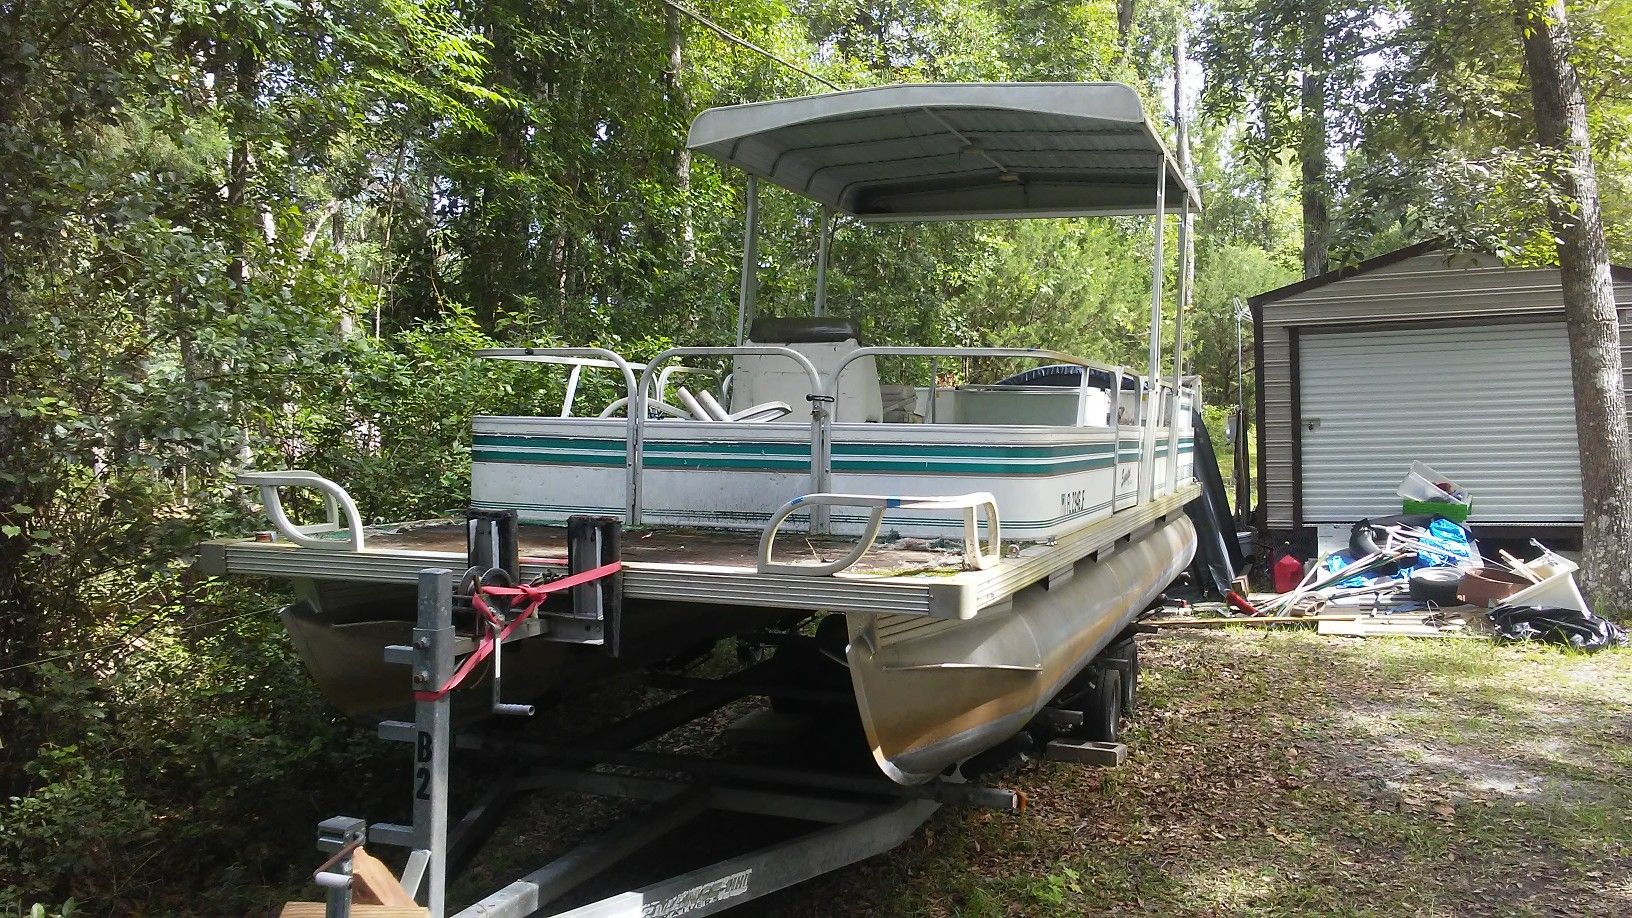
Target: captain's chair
{"x":825,"y":342}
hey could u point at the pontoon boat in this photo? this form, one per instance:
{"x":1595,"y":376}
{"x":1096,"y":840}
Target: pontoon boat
{"x":982,"y":541}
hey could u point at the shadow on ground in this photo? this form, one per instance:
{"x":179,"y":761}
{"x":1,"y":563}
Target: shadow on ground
{"x":1290,"y":773}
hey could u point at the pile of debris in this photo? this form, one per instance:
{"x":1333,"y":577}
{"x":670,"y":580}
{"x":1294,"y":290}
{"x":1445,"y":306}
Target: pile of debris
{"x":1421,"y":573}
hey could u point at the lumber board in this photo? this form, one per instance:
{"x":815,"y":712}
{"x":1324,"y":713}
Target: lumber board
{"x":1259,"y":620}
{"x":1084,"y":752}
{"x":374,"y":882}
{"x":358,"y":910}
{"x":1382,"y":628}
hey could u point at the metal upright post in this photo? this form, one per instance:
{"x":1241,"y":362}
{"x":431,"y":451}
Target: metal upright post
{"x":1147,"y":454}
{"x":1116,"y":438}
{"x":1178,"y":343}
{"x":823,"y":241}
{"x":748,"y":292}
{"x":822,"y":412}
{"x":433,"y":666}
{"x":1240,"y":374}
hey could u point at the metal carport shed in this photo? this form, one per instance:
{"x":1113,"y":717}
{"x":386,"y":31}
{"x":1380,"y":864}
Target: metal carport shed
{"x":1451,"y":358}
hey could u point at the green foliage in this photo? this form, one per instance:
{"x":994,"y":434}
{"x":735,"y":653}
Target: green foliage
{"x":179,"y":753}
{"x":268,"y":234}
{"x":1428,"y":112}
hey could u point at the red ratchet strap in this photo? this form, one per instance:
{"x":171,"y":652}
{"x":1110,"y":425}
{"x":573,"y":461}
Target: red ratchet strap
{"x":534,"y":596}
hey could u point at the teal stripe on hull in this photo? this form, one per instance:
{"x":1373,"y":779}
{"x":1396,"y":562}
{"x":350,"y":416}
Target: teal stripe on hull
{"x":787,"y":457}
{"x":755,"y":464}
{"x":802,"y":450}
{"x":950,"y":521}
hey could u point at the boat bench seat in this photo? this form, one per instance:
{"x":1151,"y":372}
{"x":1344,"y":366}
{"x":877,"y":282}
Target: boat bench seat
{"x":825,"y":342}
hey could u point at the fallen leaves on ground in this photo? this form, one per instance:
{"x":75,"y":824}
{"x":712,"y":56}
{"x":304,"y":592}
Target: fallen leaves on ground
{"x":1291,"y":773}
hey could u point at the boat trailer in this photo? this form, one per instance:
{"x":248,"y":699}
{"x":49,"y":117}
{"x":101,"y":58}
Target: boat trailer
{"x":845,"y":815}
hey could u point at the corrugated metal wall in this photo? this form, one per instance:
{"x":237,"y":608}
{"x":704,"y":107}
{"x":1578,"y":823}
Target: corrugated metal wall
{"x":1428,"y":288}
{"x":1489,"y":406}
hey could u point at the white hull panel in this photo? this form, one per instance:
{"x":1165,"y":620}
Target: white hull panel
{"x":1047,"y":481}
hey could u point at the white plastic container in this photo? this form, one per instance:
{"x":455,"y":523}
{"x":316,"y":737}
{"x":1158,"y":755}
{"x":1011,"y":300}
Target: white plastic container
{"x":1557,"y":588}
{"x":1421,"y":483}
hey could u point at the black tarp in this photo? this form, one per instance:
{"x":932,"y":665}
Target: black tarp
{"x":1218,"y":554}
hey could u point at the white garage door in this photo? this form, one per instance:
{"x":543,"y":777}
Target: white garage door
{"x":1489,"y":406}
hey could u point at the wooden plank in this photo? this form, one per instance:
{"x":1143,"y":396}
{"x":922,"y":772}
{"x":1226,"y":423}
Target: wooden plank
{"x":1260,"y":620}
{"x":1385,"y":628}
{"x":318,"y":910}
{"x":1086,"y":752}
{"x":374,"y":882}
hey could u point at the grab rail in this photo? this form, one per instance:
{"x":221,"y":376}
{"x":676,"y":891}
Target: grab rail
{"x":821,"y":460}
{"x":613,"y":358}
{"x":976,"y":557}
{"x":1165,"y":403}
{"x":578,"y":358}
{"x":335,"y":500}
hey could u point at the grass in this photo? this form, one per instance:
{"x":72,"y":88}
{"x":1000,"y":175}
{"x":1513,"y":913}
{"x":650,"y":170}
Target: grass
{"x":1286,"y":773}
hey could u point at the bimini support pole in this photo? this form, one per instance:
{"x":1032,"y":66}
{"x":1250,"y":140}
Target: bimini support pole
{"x":1153,"y":393}
{"x":749,"y":290}
{"x":823,"y":241}
{"x":1178,"y":343}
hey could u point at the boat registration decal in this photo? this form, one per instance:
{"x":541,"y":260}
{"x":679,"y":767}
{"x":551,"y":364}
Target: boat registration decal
{"x":1075,"y":501}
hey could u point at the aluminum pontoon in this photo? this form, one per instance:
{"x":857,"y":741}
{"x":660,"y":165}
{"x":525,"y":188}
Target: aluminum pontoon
{"x":982,"y":541}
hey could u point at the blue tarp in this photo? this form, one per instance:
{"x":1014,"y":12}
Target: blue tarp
{"x":1446,"y":544}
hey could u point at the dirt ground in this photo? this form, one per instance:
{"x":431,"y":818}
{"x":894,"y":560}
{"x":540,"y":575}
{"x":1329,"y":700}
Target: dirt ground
{"x":1282,"y":773}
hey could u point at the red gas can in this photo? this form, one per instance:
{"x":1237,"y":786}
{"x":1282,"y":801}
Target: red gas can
{"x":1286,"y":572}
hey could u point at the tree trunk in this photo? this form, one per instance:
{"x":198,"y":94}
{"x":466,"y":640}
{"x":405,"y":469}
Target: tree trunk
{"x":1589,"y":308}
{"x":243,"y":71}
{"x":1317,"y":228}
{"x":1124,"y":23}
{"x":679,"y":101}
{"x":1266,"y":171}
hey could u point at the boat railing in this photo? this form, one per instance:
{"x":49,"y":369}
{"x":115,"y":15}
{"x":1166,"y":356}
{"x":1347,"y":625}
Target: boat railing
{"x":578,"y":358}
{"x":1036,"y":353}
{"x":336,"y":502}
{"x":1165,"y":404}
{"x":978,"y":555}
{"x":607,"y":360}
{"x":821,"y":462}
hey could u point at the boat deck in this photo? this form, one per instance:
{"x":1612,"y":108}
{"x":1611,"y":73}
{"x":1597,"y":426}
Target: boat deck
{"x":681,"y":545}
{"x":904,"y":577}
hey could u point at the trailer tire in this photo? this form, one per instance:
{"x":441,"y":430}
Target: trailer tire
{"x":1104,"y":709}
{"x":1123,"y":656}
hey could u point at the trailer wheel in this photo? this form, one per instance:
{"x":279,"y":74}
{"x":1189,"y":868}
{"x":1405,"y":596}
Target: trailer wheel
{"x":1104,"y":709}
